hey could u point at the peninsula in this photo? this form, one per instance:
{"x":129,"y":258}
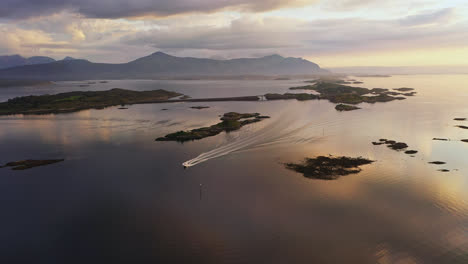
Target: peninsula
{"x":81,"y":100}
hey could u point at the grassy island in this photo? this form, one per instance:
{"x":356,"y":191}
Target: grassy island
{"x":328,"y":168}
{"x":81,"y":100}
{"x":338,"y":93}
{"x":229,"y":122}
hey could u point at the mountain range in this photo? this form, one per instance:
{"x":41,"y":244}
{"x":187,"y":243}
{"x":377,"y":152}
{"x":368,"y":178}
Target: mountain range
{"x":11,"y":61}
{"x":161,"y":65}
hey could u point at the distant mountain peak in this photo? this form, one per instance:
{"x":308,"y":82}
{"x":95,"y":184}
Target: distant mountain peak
{"x":68,"y":58}
{"x":160,"y":54}
{"x":273,"y":56}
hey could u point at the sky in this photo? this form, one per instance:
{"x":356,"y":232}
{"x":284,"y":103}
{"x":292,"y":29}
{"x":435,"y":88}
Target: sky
{"x":332,"y":33}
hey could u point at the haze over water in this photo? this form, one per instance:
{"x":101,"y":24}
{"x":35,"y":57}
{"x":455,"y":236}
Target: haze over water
{"x":121,"y":197}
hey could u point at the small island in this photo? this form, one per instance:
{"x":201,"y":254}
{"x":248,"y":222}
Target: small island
{"x":229,"y":122}
{"x":404,"y":89}
{"x":344,"y":107}
{"x":28,"y":164}
{"x":394,"y":145}
{"x":437,"y":162}
{"x":328,"y":168}
{"x":81,"y":100}
{"x":199,"y":107}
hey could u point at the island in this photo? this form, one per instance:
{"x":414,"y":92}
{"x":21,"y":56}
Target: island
{"x":404,"y":89}
{"x":81,"y":100}
{"x":199,"y":107}
{"x":394,"y":145}
{"x":328,"y":168}
{"x":338,"y":93}
{"x":344,"y":107}
{"x":437,"y":162}
{"x":229,"y":122}
{"x":28,"y":164}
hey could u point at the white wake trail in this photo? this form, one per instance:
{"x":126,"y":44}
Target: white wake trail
{"x":274,"y":132}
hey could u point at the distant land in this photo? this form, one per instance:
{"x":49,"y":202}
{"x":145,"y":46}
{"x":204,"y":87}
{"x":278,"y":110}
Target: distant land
{"x":382,"y":70}
{"x":11,"y":61}
{"x":160,"y":65}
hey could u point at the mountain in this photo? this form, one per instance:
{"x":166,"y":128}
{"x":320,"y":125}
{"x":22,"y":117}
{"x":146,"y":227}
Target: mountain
{"x":10,"y":61}
{"x":161,"y":65}
{"x":68,"y":58}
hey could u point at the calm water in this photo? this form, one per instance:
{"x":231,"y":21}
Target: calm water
{"x":121,"y":197}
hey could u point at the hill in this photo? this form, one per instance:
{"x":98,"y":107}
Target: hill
{"x":10,"y":61}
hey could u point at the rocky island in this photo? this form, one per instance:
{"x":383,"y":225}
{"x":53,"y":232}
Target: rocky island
{"x":81,"y":100}
{"x":328,"y":168}
{"x":229,"y":122}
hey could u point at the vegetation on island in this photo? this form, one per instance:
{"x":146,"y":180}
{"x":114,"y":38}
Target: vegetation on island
{"x":229,"y":122}
{"x":338,"y":93}
{"x":81,"y":100}
{"x":28,"y":164}
{"x":328,"y":168}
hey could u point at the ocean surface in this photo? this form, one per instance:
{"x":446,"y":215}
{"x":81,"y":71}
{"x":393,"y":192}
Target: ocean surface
{"x":122,"y":197}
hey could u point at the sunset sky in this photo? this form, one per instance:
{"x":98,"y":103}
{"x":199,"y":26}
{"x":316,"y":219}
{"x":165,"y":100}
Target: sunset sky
{"x":330,"y":33}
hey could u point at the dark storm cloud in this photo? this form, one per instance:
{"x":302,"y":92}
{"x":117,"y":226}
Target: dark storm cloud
{"x":123,"y":8}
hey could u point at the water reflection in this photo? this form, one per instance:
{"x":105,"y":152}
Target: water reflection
{"x":122,"y":197}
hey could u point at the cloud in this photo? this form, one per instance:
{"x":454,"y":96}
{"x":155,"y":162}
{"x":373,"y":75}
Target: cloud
{"x":250,"y":34}
{"x":229,"y":35}
{"x":243,"y":33}
{"x":440,"y":16}
{"x":124,"y":8}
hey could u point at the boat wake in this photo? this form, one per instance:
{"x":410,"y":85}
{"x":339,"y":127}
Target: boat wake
{"x":282,"y":129}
